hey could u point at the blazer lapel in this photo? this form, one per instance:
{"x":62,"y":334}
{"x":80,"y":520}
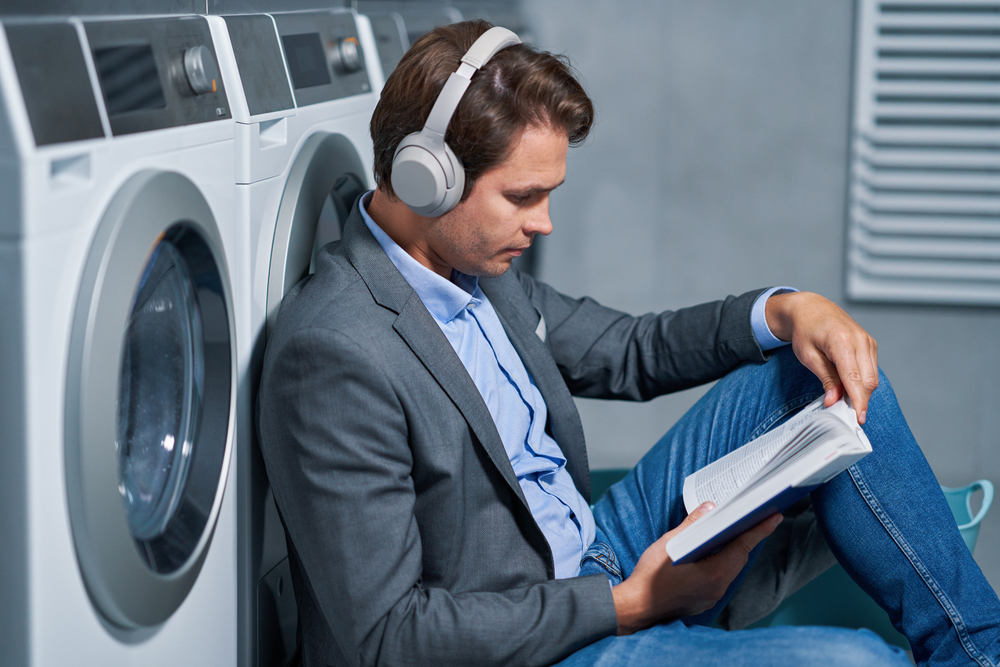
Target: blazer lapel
{"x":511,"y":303}
{"x":422,"y":334}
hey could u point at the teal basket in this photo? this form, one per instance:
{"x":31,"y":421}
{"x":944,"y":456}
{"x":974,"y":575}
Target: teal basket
{"x":833,"y":598}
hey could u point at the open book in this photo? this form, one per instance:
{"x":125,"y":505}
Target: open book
{"x":767,"y":475}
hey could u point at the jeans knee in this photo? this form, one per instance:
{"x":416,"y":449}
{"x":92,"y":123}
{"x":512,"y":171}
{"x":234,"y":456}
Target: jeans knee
{"x":863,"y":647}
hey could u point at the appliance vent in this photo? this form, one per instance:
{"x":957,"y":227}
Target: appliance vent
{"x":924,"y":195}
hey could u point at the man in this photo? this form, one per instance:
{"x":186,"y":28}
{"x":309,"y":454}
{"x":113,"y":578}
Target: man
{"x":417,"y":424}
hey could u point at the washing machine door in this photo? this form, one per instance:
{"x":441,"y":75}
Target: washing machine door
{"x":323,"y":183}
{"x":150,"y":399}
{"x":325,"y":179}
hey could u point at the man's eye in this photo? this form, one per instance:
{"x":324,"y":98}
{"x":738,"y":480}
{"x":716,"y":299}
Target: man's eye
{"x":520,"y":199}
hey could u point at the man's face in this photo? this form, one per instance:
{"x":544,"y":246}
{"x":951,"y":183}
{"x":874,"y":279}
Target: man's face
{"x":508,"y":205}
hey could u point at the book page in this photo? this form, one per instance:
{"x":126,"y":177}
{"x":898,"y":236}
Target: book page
{"x":824,"y":428}
{"x":721,"y":479}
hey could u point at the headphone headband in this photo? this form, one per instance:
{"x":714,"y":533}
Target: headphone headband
{"x":478,"y":55}
{"x":426,"y":174}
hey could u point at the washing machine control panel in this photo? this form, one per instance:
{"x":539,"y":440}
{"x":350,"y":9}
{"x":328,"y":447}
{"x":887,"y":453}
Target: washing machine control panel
{"x":323,"y":55}
{"x":157,"y":73}
{"x":54,"y":82}
{"x":390,"y":35}
{"x":260,"y":63}
{"x":201,"y":70}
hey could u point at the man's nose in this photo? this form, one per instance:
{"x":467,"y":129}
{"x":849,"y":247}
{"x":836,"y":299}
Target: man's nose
{"x":540,"y":223}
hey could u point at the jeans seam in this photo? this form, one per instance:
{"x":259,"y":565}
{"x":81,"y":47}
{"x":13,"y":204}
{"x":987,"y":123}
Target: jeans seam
{"x":946,"y":604}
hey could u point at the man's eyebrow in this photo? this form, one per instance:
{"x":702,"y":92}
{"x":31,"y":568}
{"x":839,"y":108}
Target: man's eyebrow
{"x":537,"y":188}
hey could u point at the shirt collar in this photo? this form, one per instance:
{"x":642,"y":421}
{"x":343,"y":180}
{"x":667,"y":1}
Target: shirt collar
{"x":445,"y":299}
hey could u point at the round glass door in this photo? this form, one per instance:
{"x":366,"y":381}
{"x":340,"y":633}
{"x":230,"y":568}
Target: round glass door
{"x":161,"y":390}
{"x":150,"y":399}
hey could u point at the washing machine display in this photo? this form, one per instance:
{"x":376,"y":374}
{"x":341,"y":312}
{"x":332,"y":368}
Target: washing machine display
{"x":157,"y":74}
{"x":118,"y":254}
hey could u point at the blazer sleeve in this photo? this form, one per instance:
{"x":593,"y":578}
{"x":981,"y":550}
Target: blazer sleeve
{"x":335,"y":441}
{"x":604,"y":353}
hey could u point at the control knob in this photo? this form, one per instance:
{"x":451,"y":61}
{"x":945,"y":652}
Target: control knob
{"x":201,"y":70}
{"x":345,"y":55}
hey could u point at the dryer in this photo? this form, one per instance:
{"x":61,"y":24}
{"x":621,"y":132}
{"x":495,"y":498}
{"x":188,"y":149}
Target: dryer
{"x":306,"y":85}
{"x":119,"y":334}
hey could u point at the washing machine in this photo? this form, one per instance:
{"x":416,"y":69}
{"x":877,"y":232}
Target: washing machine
{"x":119,"y":340}
{"x":397,"y":23}
{"x":306,"y":85}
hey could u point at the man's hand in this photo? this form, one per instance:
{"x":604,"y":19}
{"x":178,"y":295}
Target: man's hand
{"x":657,"y":590}
{"x":829,"y":343}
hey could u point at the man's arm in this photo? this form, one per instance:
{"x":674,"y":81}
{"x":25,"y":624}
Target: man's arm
{"x":604,"y":353}
{"x":337,"y":442}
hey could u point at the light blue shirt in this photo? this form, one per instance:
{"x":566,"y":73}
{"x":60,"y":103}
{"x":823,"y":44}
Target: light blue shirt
{"x":470,"y":324}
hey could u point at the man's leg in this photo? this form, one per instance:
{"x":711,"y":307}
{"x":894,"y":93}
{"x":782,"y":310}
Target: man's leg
{"x":886,"y":518}
{"x":691,"y":646}
{"x":888,"y":523}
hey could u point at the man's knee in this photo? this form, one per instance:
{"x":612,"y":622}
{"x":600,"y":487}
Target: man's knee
{"x":859,"y":648}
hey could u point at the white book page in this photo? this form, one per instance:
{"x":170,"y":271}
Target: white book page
{"x":822,"y":431}
{"x":721,"y":479}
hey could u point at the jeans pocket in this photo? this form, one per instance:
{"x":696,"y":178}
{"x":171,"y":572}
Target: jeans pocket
{"x":601,"y":555}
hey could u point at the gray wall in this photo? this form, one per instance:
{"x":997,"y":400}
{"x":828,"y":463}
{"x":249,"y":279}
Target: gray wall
{"x":719,"y":164}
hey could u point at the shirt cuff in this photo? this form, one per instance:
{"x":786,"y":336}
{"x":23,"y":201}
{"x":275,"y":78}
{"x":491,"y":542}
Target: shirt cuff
{"x":758,"y":320}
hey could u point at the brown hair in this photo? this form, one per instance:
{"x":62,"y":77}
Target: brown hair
{"x":518,"y":87}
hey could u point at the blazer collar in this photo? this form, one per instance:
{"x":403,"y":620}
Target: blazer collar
{"x":386,"y":284}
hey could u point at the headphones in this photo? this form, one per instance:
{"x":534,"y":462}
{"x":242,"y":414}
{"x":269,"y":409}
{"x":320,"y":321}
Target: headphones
{"x":426,"y":174}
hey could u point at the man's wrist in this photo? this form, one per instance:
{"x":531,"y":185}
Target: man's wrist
{"x":625,"y":610}
{"x":758,"y":319}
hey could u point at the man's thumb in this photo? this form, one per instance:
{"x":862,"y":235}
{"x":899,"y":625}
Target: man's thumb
{"x":699,"y":512}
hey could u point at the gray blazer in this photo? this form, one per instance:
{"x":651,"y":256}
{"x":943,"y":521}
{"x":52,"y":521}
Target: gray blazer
{"x":410,"y":540}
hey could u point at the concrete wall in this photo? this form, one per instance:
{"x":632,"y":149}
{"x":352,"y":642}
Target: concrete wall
{"x":719,"y":164}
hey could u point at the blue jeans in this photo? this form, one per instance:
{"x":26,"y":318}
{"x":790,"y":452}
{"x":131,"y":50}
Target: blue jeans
{"x":885,"y":519}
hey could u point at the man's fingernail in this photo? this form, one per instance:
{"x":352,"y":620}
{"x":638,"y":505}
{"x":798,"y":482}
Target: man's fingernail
{"x":706,"y":506}
{"x":830,"y":395}
{"x":777,"y":520}
{"x":864,"y":415}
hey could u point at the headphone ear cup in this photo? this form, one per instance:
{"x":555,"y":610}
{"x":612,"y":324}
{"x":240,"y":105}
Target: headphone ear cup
{"x":452,"y":195}
{"x":419,"y":178}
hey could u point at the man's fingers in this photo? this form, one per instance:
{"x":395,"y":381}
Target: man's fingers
{"x":860,"y":376}
{"x":848,"y":366}
{"x":824,"y":369}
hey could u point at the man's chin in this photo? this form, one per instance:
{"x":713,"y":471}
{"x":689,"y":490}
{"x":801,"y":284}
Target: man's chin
{"x":496,"y":270}
{"x":493,"y":269}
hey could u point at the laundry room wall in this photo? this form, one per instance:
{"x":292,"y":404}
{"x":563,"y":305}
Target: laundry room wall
{"x":719,"y":164}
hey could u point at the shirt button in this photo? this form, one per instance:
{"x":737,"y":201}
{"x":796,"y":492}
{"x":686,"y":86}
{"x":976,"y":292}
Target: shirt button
{"x":470,"y":306}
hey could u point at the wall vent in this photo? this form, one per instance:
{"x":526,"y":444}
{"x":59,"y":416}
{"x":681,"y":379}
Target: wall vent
{"x":924,"y":195}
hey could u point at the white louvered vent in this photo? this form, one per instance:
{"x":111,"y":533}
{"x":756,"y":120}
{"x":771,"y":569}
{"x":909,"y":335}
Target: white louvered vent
{"x":924,"y":202}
